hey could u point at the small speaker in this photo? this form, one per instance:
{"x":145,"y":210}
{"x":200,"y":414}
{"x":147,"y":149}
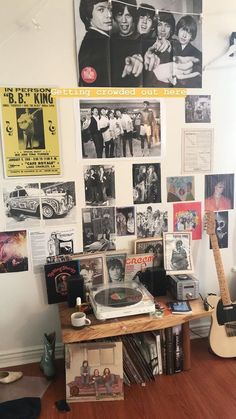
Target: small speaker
{"x":156,"y":281}
{"x":75,"y":288}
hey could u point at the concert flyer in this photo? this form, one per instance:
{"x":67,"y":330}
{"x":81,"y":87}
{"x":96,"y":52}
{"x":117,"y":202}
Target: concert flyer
{"x":29,"y":132}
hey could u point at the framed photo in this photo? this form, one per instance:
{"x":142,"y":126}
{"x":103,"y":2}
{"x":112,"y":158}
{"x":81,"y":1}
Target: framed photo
{"x":151,"y":245}
{"x":177,"y":253}
{"x":92,"y":270}
{"x":115,"y":266}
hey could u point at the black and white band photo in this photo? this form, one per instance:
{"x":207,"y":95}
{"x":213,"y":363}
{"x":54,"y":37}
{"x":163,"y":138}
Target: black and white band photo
{"x":116,"y":129}
{"x":146,"y":183}
{"x":151,"y":221}
{"x":198,"y":108}
{"x":98,"y":229}
{"x":99,"y":185}
{"x":130,"y":43}
{"x":125,"y":221}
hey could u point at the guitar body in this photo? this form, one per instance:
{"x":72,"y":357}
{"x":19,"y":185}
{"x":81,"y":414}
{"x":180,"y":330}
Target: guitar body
{"x":223,"y":321}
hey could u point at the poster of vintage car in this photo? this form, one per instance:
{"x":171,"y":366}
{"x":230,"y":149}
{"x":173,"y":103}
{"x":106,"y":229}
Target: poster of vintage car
{"x":30,"y":203}
{"x":30,"y":140}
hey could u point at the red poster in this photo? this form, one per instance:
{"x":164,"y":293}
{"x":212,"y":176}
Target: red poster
{"x":187,"y":217}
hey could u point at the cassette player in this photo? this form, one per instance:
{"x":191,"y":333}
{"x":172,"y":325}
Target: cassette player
{"x":184,"y":287}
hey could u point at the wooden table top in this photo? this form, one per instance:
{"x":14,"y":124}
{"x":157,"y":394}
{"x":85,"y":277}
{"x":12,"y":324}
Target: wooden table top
{"x":125,"y":325}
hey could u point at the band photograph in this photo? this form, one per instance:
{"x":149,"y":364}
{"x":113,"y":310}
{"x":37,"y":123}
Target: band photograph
{"x":98,"y":229}
{"x":99,"y":185}
{"x":120,"y":129}
{"x":198,"y":108}
{"x":177,"y":253}
{"x":188,"y":217}
{"x":125,"y":221}
{"x":180,"y":188}
{"x":30,"y":132}
{"x":130,"y":43}
{"x":146,"y":183}
{"x":151,"y":221}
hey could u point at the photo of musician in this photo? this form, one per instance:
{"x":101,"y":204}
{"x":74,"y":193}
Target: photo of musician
{"x":99,"y":185}
{"x":219,"y":192}
{"x":125,"y":221}
{"x":98,"y":229}
{"x":132,"y":44}
{"x":30,"y":128}
{"x":146,"y":183}
{"x":120,"y":129}
{"x":151,"y":221}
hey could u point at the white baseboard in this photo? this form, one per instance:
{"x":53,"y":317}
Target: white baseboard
{"x":32,"y":354}
{"x":27,"y":355}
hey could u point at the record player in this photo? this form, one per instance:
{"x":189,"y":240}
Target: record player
{"x":119,"y":300}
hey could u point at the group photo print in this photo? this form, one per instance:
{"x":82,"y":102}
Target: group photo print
{"x":131,"y":43}
{"x":120,"y":129}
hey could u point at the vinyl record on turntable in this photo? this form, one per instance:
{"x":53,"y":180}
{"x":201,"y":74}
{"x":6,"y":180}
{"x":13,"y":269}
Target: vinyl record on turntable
{"x":118,"y":297}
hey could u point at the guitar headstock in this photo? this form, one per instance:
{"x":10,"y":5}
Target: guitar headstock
{"x":210,"y":222}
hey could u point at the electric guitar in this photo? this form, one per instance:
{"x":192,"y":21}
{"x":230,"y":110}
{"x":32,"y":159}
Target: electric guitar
{"x":222,"y":337}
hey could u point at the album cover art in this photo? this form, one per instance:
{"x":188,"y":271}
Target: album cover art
{"x":56,"y":277}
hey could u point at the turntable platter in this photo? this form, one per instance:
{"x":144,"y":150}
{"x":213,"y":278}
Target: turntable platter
{"x":118,"y":297}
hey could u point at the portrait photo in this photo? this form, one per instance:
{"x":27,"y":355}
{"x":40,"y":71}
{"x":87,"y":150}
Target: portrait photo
{"x":115,"y":264}
{"x":219,"y":192}
{"x":177,"y":253}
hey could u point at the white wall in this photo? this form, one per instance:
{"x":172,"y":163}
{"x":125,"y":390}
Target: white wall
{"x":37,"y":49}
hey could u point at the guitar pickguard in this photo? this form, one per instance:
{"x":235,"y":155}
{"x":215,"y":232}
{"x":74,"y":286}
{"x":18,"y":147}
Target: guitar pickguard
{"x":225,"y":315}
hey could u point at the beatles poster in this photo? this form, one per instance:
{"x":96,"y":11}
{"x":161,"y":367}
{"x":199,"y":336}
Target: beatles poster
{"x":29,"y":132}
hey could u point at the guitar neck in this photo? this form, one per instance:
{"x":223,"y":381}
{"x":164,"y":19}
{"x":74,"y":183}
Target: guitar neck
{"x":224,"y":289}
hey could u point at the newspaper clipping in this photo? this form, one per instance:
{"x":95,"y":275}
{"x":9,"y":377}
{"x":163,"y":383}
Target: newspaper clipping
{"x":29,"y":132}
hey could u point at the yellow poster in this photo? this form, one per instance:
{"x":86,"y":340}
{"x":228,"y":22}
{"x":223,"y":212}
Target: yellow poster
{"x":29,"y":132}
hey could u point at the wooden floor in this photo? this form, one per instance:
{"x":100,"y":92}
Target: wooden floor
{"x":207,"y":391}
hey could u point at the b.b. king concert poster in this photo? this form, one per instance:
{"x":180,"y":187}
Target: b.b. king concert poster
{"x":29,"y":132}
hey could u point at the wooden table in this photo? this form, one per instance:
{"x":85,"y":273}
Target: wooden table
{"x":132,"y":324}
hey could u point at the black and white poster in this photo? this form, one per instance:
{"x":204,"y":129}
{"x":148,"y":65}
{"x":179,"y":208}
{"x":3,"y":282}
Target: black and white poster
{"x":133,"y":44}
{"x":120,"y":129}
{"x":222,"y":229}
{"x":146,"y":183}
{"x":99,"y":185}
{"x":98,"y":229}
